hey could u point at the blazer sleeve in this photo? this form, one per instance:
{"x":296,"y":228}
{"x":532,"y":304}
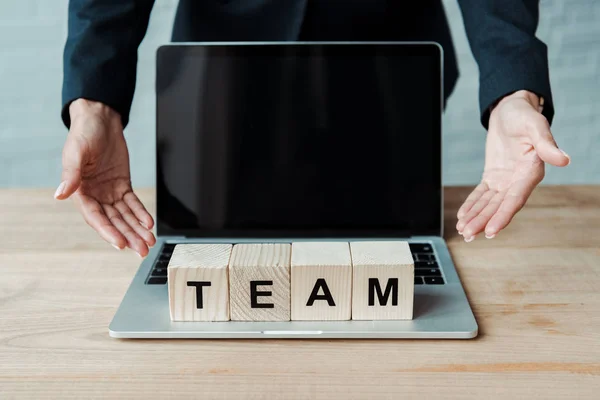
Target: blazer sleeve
{"x":510,"y":57}
{"x":100,"y":56}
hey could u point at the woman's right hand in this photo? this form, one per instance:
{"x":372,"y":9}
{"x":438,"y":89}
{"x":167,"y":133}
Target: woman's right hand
{"x":96,"y":176}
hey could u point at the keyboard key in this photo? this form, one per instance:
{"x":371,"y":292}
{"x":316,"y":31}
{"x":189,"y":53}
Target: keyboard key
{"x":431,"y":280}
{"x":167,"y":249}
{"x":159,"y":272}
{"x":427,"y":272}
{"x":423,"y":257}
{"x":426,"y":264}
{"x":420,"y":248}
{"x":156,"y":280}
{"x":418,"y":280}
{"x":161,"y":263}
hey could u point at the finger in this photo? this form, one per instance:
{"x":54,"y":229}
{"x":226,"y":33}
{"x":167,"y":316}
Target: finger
{"x":478,"y":223}
{"x":133,"y":222}
{"x":72,"y":160}
{"x":475,"y":210}
{"x":94,"y":216}
{"x":513,"y":202}
{"x":138,"y":210}
{"x":545,"y":146}
{"x":471,"y":199}
{"x":134,"y":241}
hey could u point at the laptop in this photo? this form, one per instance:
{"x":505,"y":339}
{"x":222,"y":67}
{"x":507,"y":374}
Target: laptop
{"x":284,"y":142}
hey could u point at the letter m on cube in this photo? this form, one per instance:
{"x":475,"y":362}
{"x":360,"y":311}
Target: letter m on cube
{"x":383,"y":280}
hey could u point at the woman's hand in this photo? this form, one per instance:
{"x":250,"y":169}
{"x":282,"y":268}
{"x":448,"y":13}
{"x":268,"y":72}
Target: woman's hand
{"x":96,"y":176}
{"x":519,"y":143}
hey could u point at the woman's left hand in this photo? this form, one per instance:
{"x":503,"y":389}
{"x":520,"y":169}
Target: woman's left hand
{"x":519,"y":143}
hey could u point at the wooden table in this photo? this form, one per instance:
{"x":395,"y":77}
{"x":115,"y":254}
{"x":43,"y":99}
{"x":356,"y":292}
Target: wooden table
{"x":535,"y":290}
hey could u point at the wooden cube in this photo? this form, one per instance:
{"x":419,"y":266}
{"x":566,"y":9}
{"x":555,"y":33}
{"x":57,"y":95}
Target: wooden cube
{"x":321,"y":281}
{"x":383,"y":280}
{"x":198,"y":282}
{"x":259,"y":276}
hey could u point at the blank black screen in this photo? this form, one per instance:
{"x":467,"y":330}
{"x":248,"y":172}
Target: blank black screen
{"x":298,"y":140}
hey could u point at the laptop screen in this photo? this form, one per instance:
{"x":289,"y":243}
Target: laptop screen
{"x":299,"y":140}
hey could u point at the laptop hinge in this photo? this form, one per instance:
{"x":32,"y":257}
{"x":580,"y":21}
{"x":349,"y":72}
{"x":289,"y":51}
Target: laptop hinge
{"x":424,"y":236}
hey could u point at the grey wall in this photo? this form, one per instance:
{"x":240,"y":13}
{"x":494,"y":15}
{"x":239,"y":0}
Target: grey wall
{"x":32,"y":34}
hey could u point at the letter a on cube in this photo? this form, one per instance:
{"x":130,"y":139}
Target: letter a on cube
{"x":321,"y":281}
{"x":198,"y":282}
{"x":383,"y":280}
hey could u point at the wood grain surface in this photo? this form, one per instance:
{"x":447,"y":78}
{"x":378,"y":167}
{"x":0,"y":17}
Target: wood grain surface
{"x":535,"y":291}
{"x":260,"y":263}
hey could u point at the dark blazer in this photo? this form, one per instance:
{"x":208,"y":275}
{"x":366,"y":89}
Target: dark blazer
{"x":100,"y":56}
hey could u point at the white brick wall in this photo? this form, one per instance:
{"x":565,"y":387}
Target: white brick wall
{"x":32,"y":34}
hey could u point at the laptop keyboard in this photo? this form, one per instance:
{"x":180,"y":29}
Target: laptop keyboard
{"x":158,"y":274}
{"x":427,"y":270}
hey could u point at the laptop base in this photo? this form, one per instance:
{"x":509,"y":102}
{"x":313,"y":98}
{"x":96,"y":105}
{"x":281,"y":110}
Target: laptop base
{"x":440,"y":311}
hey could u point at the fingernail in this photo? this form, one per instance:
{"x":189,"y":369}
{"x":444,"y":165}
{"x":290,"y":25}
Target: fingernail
{"x":144,"y":225}
{"x":115,"y":246}
{"x":469,"y":240}
{"x":490,"y":236}
{"x":139,"y":255}
{"x":460,"y":232}
{"x":566,"y":155}
{"x":60,"y":189}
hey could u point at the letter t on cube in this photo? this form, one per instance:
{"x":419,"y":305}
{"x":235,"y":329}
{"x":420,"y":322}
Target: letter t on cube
{"x":383,"y":280}
{"x":199,"y":282}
